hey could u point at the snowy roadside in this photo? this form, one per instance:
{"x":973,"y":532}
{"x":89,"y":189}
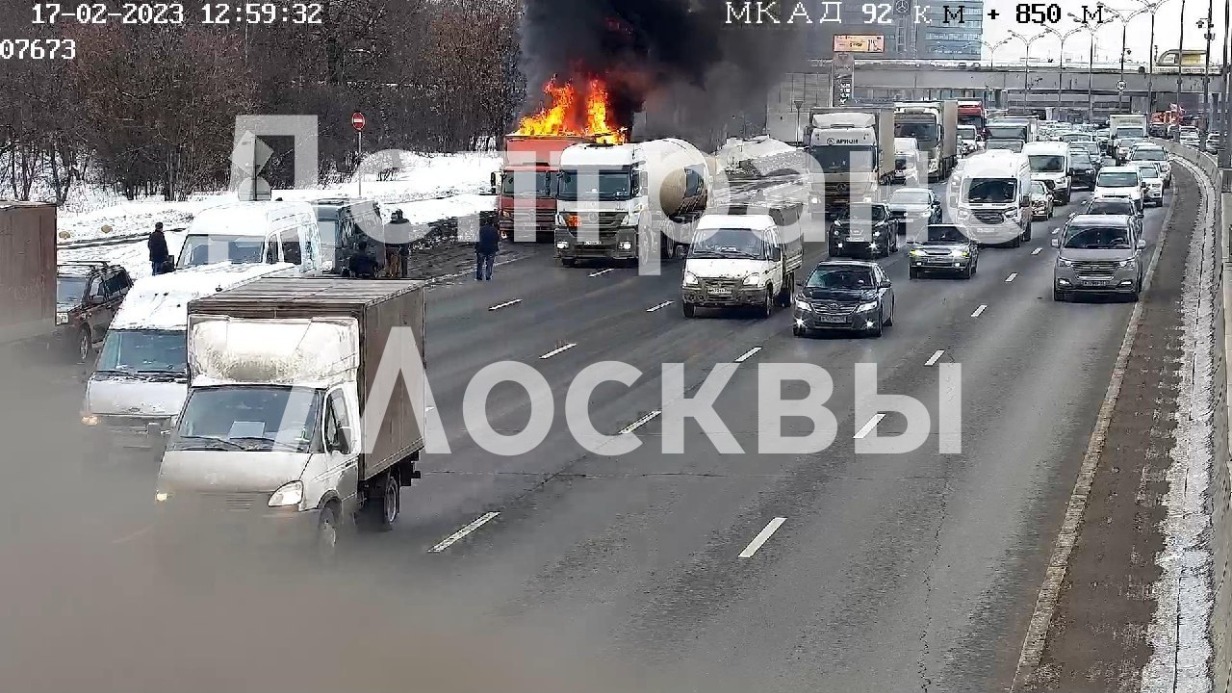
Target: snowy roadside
{"x":426,"y":188}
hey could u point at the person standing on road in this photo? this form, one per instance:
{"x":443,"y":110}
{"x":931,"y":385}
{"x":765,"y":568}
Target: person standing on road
{"x":157,"y":243}
{"x":485,"y":250}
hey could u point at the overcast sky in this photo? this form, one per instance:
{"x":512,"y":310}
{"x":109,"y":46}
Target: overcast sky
{"x":1108,"y":41}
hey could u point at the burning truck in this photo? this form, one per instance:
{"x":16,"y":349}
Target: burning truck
{"x":526,"y":185}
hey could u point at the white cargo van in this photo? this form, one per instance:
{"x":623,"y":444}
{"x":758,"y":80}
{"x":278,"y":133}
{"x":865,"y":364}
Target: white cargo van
{"x":1051,"y":165}
{"x":254,"y":233}
{"x":141,"y":376}
{"x":990,"y":197}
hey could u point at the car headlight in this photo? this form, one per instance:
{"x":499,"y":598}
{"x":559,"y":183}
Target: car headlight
{"x":61,"y":319}
{"x":1062,"y":262}
{"x":958,"y":253}
{"x":916,"y":252}
{"x":814,"y":200}
{"x":89,"y":419}
{"x":863,"y":307}
{"x":562,"y":244}
{"x":804,"y":306}
{"x":161,"y":496}
{"x":288,"y":495}
{"x":752,"y":280}
{"x":690,"y":279}
{"x":877,"y":234}
{"x":1128,"y":263}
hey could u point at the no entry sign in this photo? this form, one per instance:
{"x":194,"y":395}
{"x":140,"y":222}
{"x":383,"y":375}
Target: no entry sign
{"x":358,"y":121}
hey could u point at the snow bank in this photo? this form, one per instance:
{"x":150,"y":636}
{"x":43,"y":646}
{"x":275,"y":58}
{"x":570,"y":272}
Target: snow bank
{"x":427,"y":187}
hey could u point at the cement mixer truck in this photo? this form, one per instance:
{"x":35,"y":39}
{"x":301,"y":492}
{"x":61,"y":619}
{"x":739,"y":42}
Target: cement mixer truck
{"x":610,"y":196}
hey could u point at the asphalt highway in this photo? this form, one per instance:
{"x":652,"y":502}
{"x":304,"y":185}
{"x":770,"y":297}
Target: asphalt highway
{"x":828,"y":571}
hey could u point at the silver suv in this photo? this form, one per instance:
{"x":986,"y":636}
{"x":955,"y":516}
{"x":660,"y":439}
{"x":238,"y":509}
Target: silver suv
{"x":1099,"y":254}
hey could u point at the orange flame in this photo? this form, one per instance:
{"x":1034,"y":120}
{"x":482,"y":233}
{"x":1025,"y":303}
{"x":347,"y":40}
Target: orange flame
{"x":568,"y":113}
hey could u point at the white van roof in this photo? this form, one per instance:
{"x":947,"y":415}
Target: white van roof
{"x":1050,"y":148}
{"x":710,"y":222}
{"x":251,"y":218}
{"x":161,"y":302}
{"x":996,"y":163}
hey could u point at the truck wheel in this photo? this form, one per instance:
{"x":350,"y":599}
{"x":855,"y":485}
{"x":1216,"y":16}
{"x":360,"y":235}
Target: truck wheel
{"x":689,"y":310}
{"x":785,"y":294}
{"x":327,"y":535}
{"x":913,"y":273}
{"x":1026,"y":237}
{"x":381,"y":509}
{"x":767,"y":308}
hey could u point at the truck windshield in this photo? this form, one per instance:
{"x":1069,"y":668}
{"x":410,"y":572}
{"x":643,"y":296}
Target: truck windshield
{"x":927,"y":134}
{"x":1098,"y":238}
{"x":536,"y":183}
{"x":1012,"y":145}
{"x":844,"y":158}
{"x":1130,"y":132}
{"x":594,"y":184}
{"x":967,"y":132}
{"x":249,"y":418}
{"x":207,"y":250}
{"x":1149,"y":155}
{"x":730,"y":243}
{"x":70,"y":290}
{"x":144,"y":352}
{"x":1047,"y":163}
{"x":992,"y":190}
{"x":1117,"y":179}
{"x":975,"y":120}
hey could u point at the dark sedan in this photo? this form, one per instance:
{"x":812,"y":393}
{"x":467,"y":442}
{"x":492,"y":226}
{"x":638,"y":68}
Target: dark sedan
{"x":1084,"y":169}
{"x":946,"y":249}
{"x":864,"y":229}
{"x":845,"y":295}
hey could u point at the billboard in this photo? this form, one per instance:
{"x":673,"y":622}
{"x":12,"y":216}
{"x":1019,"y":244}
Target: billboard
{"x":859,"y":44}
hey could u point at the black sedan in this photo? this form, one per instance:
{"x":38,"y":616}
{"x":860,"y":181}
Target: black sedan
{"x":846,"y":295}
{"x":1084,"y":171}
{"x":866,"y":229}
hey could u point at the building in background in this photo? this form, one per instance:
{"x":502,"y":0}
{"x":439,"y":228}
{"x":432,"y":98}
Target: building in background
{"x":944,"y":37}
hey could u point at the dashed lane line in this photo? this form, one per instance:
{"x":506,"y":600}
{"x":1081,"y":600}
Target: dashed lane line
{"x":747,"y":355}
{"x":462,"y":533}
{"x":660,"y":306}
{"x":1012,"y":277}
{"x":1036,"y":251}
{"x":932,"y":360}
{"x":506,"y":304}
{"x":979,"y":311}
{"x":640,"y":422}
{"x":868,"y":427}
{"x":601,"y":272}
{"x":558,"y":350}
{"x":762,"y":537}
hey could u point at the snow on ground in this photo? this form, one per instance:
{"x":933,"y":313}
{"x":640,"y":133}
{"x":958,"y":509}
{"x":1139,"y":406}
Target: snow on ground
{"x":426,"y":187}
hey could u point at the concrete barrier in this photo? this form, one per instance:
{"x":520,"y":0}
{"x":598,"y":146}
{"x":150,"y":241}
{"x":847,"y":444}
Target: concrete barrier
{"x":1221,"y":474}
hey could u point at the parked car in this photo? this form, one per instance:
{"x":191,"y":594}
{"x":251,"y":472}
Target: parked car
{"x":944,"y":249}
{"x":844,"y":295}
{"x":1042,"y":203}
{"x":88,"y":294}
{"x":1098,"y":254}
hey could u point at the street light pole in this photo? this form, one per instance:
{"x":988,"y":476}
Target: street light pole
{"x":1207,"y":24}
{"x":1225,"y":153}
{"x":1026,"y":74}
{"x":1180,"y":65}
{"x":1063,"y":36}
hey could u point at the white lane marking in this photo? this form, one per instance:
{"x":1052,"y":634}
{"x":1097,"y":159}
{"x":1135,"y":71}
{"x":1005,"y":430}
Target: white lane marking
{"x":1036,"y":251}
{"x":640,"y":422}
{"x":932,"y":360}
{"x":602,"y":271}
{"x":868,"y":427}
{"x":746,"y":355}
{"x":661,"y":305}
{"x":461,"y":533}
{"x":554,"y":352}
{"x":506,"y":304}
{"x":979,"y":310}
{"x":762,"y":537}
{"x":1058,"y":562}
{"x":1054,"y":231}
{"x":129,"y":537}
{"x":429,"y":408}
{"x":1012,"y":277}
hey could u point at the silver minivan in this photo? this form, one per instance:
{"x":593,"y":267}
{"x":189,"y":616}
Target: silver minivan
{"x":1098,"y":254}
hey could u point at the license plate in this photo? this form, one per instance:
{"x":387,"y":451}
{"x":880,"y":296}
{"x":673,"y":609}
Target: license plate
{"x":833,"y":319}
{"x":719,"y":292}
{"x":1095,"y":281}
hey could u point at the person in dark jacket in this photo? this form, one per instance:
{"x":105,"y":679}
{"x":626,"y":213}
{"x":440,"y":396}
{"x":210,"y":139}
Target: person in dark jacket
{"x":361,"y":264}
{"x":157,"y":244}
{"x":485,"y":250}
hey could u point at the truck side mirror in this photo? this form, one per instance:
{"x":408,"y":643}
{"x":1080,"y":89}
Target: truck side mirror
{"x":1024,"y":201}
{"x":1141,"y":244}
{"x":1056,"y":242}
{"x":493,"y":180}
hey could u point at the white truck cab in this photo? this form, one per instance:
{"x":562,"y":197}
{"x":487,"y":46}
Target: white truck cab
{"x":743,"y":260}
{"x":1051,"y":165}
{"x":255,"y":233}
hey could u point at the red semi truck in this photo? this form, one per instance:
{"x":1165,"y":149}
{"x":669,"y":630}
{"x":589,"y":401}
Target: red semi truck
{"x":27,"y":270}
{"x":537,"y":158}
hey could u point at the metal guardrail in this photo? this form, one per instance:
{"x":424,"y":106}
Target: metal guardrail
{"x":104,"y":242}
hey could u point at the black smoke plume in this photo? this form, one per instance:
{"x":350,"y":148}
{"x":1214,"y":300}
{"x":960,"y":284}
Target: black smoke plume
{"x":679,"y":62}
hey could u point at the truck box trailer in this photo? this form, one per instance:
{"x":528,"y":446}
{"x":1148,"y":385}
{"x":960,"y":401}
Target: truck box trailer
{"x":27,"y":270}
